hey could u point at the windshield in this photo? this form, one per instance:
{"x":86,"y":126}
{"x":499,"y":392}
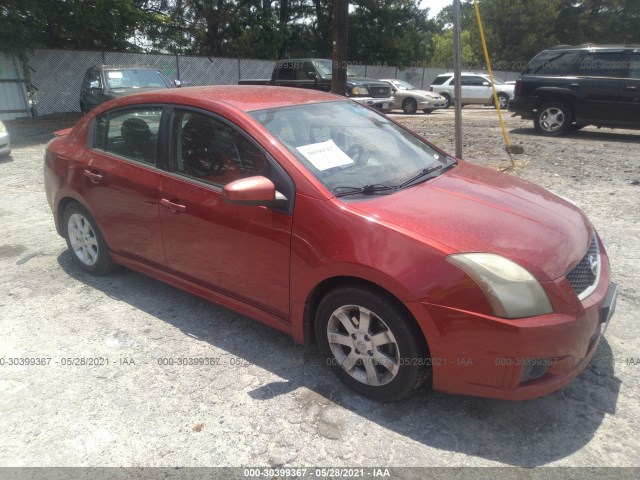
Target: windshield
{"x":324,"y":67}
{"x":351,"y":148}
{"x":136,"y":78}
{"x":402,"y":85}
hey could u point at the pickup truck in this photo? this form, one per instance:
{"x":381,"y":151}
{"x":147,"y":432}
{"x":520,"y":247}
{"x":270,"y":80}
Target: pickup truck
{"x":315,"y":73}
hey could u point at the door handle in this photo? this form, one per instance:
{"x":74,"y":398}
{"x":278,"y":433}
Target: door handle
{"x":95,"y":178}
{"x":630,"y":87}
{"x":174,"y":207}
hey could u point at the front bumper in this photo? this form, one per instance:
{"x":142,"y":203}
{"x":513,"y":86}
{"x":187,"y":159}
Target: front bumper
{"x":385,"y":104}
{"x":432,"y":104}
{"x":486,"y":356}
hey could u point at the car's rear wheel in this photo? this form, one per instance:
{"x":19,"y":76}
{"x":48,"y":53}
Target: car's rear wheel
{"x":503,"y":101}
{"x":553,"y":119}
{"x":371,"y":344}
{"x":409,"y":106}
{"x":85,"y":241}
{"x":447,"y":99}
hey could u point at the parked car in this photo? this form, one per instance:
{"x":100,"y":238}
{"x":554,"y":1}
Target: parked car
{"x":327,"y":220}
{"x":476,"y":89}
{"x":566,"y":88}
{"x":316,"y":73}
{"x":411,"y":99}
{"x":102,"y":83}
{"x":5,"y":141}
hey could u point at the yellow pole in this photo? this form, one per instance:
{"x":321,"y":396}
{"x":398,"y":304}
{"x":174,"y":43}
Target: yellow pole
{"x":495,"y":95}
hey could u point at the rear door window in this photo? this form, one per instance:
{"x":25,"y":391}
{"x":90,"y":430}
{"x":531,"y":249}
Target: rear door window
{"x":602,"y":64}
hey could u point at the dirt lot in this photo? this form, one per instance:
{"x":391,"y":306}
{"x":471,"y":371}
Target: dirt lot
{"x":268,"y":401}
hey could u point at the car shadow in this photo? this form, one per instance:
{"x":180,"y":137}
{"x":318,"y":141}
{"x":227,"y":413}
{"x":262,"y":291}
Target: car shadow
{"x":527,"y":434}
{"x":28,"y":132}
{"x":585,"y":134}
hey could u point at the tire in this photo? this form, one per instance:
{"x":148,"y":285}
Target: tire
{"x":409,"y":106}
{"x":553,"y":119}
{"x":503,"y":101}
{"x":428,"y":110}
{"x":387,"y":371}
{"x":448,"y":100}
{"x":85,"y":240}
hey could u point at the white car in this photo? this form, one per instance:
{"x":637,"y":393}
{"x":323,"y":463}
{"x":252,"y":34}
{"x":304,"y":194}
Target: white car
{"x":5,"y":144}
{"x":476,"y":89}
{"x":410,"y":99}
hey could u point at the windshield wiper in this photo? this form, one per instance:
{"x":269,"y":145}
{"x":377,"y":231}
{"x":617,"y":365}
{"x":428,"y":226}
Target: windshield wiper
{"x":426,"y":174}
{"x":366,"y":190}
{"x":422,"y":174}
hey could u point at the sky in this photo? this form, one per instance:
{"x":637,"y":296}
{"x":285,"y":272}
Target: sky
{"x":435,"y":6}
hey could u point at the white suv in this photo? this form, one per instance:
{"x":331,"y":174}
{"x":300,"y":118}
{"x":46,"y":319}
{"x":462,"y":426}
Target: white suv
{"x":476,"y":89}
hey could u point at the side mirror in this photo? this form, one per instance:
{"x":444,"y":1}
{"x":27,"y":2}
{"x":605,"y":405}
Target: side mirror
{"x":312,"y":75}
{"x":256,"y":191}
{"x":394,"y":90}
{"x":177,"y":83}
{"x":94,"y":84}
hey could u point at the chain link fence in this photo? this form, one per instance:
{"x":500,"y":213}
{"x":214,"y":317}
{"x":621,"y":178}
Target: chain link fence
{"x":55,"y":76}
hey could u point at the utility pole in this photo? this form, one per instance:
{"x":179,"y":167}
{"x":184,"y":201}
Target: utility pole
{"x":457,"y":89}
{"x":340,"y":39}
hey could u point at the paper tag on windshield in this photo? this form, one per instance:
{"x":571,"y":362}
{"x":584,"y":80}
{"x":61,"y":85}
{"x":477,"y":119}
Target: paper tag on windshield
{"x":114,"y":74}
{"x":325,"y":155}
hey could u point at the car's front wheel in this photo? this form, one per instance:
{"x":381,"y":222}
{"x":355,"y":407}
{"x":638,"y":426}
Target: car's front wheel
{"x":447,"y":99}
{"x":553,"y":119}
{"x":85,"y":241}
{"x":371,"y":344}
{"x":409,"y":106}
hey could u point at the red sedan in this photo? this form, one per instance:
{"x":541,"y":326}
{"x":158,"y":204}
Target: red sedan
{"x":327,"y":220}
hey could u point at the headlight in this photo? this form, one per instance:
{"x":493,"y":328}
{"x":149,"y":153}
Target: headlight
{"x":2,"y":128}
{"x":511,"y":290}
{"x":359,"y":91}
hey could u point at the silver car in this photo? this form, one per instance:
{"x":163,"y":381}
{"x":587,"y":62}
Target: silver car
{"x":5,"y":144}
{"x":410,"y":99}
{"x":476,"y":89}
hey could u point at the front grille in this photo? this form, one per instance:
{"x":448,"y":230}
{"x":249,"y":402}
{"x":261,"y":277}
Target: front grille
{"x":585,"y":274}
{"x":380,"y":92}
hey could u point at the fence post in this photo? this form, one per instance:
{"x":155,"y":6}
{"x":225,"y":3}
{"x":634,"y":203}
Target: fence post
{"x":178,"y":66}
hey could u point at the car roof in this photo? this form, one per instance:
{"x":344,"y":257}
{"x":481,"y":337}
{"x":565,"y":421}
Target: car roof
{"x":243,"y":97}
{"x":593,"y":46}
{"x":450,"y":74}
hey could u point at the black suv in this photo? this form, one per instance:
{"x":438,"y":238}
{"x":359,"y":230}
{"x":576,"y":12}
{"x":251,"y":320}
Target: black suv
{"x":102,"y":83}
{"x":567,"y":88}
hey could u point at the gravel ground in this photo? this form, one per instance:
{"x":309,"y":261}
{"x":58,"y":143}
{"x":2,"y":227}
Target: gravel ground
{"x":269,"y":401}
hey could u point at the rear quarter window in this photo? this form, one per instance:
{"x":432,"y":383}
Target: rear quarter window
{"x":552,"y":62}
{"x":440,"y":80}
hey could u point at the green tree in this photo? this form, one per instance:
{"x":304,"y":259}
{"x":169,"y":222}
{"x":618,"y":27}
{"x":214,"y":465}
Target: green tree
{"x":391,"y":32}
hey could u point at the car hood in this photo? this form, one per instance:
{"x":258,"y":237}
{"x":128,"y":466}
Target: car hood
{"x":360,"y":81}
{"x":423,"y":93}
{"x":122,"y":92}
{"x":475,"y":209}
